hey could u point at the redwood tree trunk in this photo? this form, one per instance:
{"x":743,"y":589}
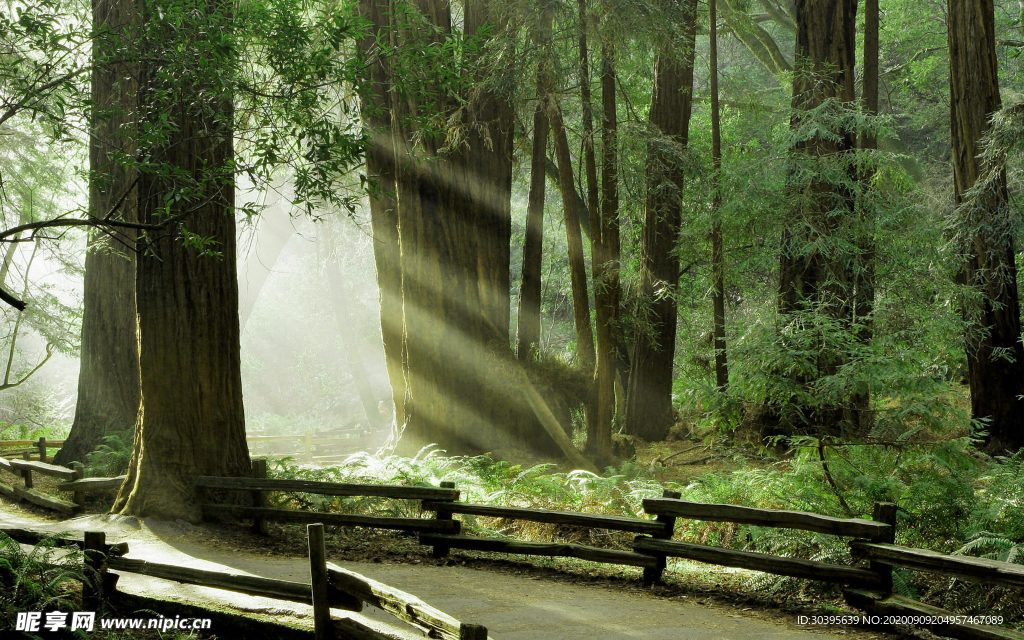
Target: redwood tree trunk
{"x":191,"y":422}
{"x":996,"y":382}
{"x":814,"y":281}
{"x":649,"y":400}
{"x":108,"y":379}
{"x":376,"y":109}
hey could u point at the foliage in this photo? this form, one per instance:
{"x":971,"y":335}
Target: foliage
{"x":111,"y":458}
{"x":43,"y":579}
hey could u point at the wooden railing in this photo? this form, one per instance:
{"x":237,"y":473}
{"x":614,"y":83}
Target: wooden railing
{"x":329,"y":587}
{"x":74,"y":483}
{"x":38,"y":448}
{"x":870,"y":540}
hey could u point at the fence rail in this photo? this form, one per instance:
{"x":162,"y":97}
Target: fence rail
{"x":343,"y":589}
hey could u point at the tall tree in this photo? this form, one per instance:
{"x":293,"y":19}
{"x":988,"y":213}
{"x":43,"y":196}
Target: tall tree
{"x":815,"y":274}
{"x":995,"y":356}
{"x":649,"y":398}
{"x":574,"y":239}
{"x":454,"y":204}
{"x":528,"y":326}
{"x":717,"y":252}
{"x":376,"y":108}
{"x":108,"y":378}
{"x":191,"y":422}
{"x":606,"y":263}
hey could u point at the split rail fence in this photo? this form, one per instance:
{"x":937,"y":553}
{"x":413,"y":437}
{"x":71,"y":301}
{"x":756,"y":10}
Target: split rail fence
{"x":329,"y":587}
{"x":871,"y":540}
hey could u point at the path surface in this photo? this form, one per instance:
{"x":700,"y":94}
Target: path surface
{"x":511,"y":607}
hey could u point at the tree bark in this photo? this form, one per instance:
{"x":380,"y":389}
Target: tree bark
{"x":996,"y":382}
{"x":108,"y":379}
{"x":717,"y":253}
{"x":649,"y":400}
{"x":191,"y":421}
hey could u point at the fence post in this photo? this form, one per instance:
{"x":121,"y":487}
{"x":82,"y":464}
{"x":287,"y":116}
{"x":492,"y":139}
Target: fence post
{"x":884,"y":512}
{"x":318,"y":582}
{"x":441,"y":551}
{"x":79,"y":496}
{"x":95,"y":548}
{"x":41,"y":445}
{"x":259,"y":498}
{"x":652,"y":575}
{"x":27,"y":473}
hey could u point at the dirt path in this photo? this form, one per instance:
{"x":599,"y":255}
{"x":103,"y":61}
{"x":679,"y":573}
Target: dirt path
{"x":511,"y":607}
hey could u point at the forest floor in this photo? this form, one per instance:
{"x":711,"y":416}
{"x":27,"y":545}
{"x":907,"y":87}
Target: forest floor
{"x":514,"y":600}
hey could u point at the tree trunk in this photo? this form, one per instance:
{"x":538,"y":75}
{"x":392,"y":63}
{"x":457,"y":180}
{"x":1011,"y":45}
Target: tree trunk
{"x":528,"y":326}
{"x":108,"y":379}
{"x":717,"y":253}
{"x":574,"y":240}
{"x":381,"y":157}
{"x":455,"y":260}
{"x":997,"y":381}
{"x":864,"y":279}
{"x":606,"y":281}
{"x":191,"y":421}
{"x":599,"y":432}
{"x":649,"y":401}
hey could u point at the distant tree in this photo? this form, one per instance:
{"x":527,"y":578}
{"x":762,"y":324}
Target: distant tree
{"x":649,"y":400}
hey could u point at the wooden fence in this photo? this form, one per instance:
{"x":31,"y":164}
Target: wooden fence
{"x":865,"y":587}
{"x":73,"y":482}
{"x":871,"y":540}
{"x":38,"y":448}
{"x":329,"y":587}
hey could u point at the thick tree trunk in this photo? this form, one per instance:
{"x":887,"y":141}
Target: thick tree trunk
{"x":377,"y":109}
{"x":649,"y":399}
{"x":108,"y":379}
{"x":191,"y":422}
{"x":995,"y":358}
{"x":454,"y":216}
{"x":825,"y":70}
{"x":717,"y":252}
{"x":528,"y":326}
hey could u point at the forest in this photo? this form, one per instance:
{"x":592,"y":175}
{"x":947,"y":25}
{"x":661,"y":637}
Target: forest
{"x":759,"y":252}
